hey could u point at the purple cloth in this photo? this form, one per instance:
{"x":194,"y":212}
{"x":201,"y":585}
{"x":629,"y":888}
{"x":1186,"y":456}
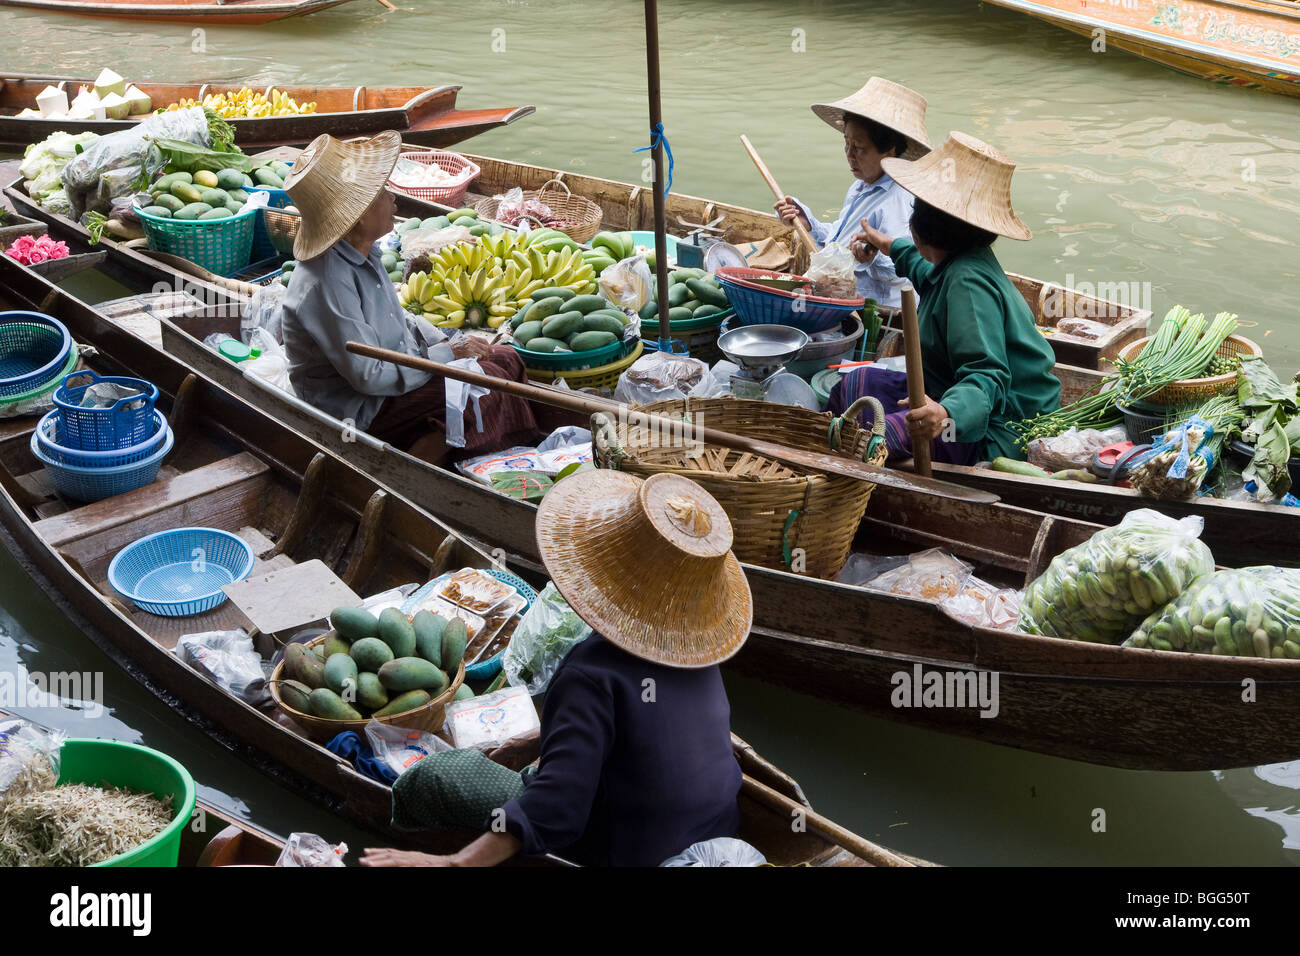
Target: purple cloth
{"x":889,"y":387}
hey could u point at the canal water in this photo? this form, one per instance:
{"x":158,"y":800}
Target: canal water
{"x":1151,"y":187}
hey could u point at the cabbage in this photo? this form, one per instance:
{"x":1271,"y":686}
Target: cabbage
{"x":43,"y":163}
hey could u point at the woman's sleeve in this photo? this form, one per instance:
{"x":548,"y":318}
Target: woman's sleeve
{"x":553,"y":811}
{"x":334,"y":316}
{"x":977,"y":350}
{"x":909,"y":263}
{"x":819,"y":231}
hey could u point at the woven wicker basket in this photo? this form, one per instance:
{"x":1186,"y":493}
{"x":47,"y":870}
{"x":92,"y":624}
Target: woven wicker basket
{"x":1194,"y":391}
{"x":775,"y":509}
{"x":429,"y":717}
{"x":582,"y":211}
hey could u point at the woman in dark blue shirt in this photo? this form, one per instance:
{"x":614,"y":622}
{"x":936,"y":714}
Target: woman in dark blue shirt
{"x":636,"y":761}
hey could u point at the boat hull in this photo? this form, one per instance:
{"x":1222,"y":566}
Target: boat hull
{"x":202,"y":14}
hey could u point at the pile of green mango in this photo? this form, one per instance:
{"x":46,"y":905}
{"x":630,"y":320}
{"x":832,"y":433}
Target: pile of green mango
{"x":692,"y":294}
{"x":557,"y":319}
{"x":373,"y":666}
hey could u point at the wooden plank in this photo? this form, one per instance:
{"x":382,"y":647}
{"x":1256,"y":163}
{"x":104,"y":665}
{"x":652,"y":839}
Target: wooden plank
{"x":289,"y":599}
{"x":162,"y":495}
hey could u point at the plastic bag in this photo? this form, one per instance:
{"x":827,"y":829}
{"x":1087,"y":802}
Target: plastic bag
{"x":513,"y":208}
{"x":831,"y":269}
{"x":861,"y":568}
{"x":397,"y":747}
{"x":982,"y":605}
{"x":229,"y":660}
{"x":1249,"y":612}
{"x":658,"y":376}
{"x":29,"y":758}
{"x":459,"y":397}
{"x":265,"y":310}
{"x":627,"y":283}
{"x":720,"y":851}
{"x":114,"y":165}
{"x":488,"y":721}
{"x":427,"y":242}
{"x":1102,"y":589}
{"x":273,"y":364}
{"x":932,"y":575}
{"x":1073,"y":448}
{"x":307,"y":849}
{"x":1176,"y":466}
{"x":1083,"y":328}
{"x":544,"y":635}
{"x":571,"y":437}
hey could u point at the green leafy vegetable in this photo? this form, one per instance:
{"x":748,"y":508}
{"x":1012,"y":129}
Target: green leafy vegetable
{"x":95,"y":222}
{"x":180,"y":156}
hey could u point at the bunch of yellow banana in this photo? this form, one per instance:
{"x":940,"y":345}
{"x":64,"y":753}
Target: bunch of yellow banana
{"x":416,"y":295}
{"x":246,"y":102}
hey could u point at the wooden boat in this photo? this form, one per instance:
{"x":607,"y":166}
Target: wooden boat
{"x":1118,"y":706}
{"x":202,"y":12}
{"x":1249,"y":43}
{"x":423,"y":115}
{"x":237,"y":468}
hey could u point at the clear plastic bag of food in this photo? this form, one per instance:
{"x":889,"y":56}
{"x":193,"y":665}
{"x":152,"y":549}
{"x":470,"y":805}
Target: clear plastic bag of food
{"x":831,"y":269}
{"x":981,"y":604}
{"x":1083,"y":328}
{"x":308,"y":849}
{"x":29,"y":758}
{"x":1176,"y":466}
{"x":627,"y":283}
{"x":1246,"y":612}
{"x":933,"y":575}
{"x":1073,"y":448}
{"x":659,"y":376}
{"x":1102,"y":589}
{"x":545,"y":634}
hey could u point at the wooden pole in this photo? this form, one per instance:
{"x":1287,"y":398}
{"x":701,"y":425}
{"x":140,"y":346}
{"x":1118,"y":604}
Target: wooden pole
{"x":661,"y":213}
{"x":589,"y":404}
{"x":777,"y":191}
{"x":915,"y":375}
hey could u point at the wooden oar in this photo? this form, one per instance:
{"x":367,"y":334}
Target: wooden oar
{"x":197,"y":271}
{"x":915,"y":376}
{"x":777,"y":191}
{"x":590,"y":404}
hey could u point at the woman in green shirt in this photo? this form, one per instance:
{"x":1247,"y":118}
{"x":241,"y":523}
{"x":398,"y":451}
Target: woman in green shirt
{"x":986,"y":364}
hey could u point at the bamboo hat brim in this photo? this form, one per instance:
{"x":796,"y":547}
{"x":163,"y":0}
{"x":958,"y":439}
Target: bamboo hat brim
{"x":648,"y":564}
{"x":966,"y":178}
{"x":334,"y":182}
{"x":887,"y":103}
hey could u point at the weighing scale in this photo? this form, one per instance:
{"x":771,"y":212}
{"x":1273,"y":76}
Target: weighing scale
{"x":761,"y":352}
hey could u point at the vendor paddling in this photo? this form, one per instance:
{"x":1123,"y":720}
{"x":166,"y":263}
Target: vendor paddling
{"x":341,"y":292}
{"x":880,"y":121}
{"x":986,"y":364}
{"x":636,"y":759}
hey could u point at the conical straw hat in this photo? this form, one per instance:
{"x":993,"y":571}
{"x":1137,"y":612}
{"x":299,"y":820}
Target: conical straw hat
{"x":886,"y":103}
{"x":333,"y":183}
{"x":648,"y":564}
{"x":966,"y":178}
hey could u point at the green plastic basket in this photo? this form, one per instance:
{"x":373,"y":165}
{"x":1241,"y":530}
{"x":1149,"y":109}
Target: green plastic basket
{"x":650,"y":327}
{"x":112,"y":763}
{"x":575,"y":361}
{"x":46,"y":391}
{"x":223,"y":246}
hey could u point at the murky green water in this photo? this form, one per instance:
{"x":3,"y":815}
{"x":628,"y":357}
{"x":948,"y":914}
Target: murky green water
{"x":1128,"y":174}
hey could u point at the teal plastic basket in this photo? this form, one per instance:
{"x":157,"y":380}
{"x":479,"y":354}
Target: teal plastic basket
{"x":223,"y":246}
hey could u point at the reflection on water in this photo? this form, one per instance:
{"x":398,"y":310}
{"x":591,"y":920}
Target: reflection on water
{"x":1126,"y":172}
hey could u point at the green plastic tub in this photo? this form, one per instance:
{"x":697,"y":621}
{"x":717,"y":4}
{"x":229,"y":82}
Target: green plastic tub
{"x":101,"y":762}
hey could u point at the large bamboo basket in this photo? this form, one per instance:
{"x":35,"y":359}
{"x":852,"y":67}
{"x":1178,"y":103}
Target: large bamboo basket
{"x":783,"y":517}
{"x":430,"y":716}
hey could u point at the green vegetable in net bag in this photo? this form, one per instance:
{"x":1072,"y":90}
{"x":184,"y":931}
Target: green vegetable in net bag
{"x":1248,"y":612}
{"x":1102,"y":589}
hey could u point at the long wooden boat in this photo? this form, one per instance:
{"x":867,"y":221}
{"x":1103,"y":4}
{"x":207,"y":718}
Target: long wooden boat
{"x":237,"y":468}
{"x":203,"y":12}
{"x":1118,"y":706}
{"x":427,"y":116}
{"x":1249,"y":43}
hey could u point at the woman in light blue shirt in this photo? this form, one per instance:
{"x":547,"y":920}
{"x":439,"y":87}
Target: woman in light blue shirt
{"x":879,"y":121}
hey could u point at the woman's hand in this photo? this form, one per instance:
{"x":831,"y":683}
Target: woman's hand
{"x":470,"y":346}
{"x":926,"y":423}
{"x":869,"y":241}
{"x":518,"y":752}
{"x":387,"y":856}
{"x":789,"y":211}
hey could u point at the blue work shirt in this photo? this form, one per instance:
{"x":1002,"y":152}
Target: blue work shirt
{"x":636,"y":762}
{"x":888,"y":207}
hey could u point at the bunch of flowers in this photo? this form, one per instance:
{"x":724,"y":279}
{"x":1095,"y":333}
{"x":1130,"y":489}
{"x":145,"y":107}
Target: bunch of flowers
{"x":30,"y":250}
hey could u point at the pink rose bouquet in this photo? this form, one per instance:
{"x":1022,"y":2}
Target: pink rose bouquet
{"x":30,"y":250}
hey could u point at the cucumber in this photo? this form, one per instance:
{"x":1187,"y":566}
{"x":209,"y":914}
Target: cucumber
{"x":1013,"y":467}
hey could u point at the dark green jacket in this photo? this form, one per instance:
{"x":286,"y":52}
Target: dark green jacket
{"x":984,"y":360}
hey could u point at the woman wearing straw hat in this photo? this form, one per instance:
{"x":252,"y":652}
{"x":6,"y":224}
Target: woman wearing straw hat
{"x":636,"y":760}
{"x":341,"y":292}
{"x":986,"y":364}
{"x":880,"y":121}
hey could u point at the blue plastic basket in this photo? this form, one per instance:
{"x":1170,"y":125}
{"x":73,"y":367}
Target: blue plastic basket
{"x":51,"y":439}
{"x":120,"y":426}
{"x":94,"y":484}
{"x":263,"y":248}
{"x":34,"y":349}
{"x":180,"y":572}
{"x":486,"y":669}
{"x":757,"y":305}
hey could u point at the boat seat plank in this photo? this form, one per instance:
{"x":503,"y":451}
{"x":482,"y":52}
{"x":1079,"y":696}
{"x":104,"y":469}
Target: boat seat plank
{"x":262,"y":545}
{"x":166,"y":496}
{"x":18,"y":427}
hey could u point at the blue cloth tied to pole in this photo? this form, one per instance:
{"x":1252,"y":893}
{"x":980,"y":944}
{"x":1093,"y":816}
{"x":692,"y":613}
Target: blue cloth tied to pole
{"x":656,"y":137}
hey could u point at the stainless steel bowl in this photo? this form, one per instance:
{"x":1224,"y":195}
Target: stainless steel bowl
{"x":759,"y":346}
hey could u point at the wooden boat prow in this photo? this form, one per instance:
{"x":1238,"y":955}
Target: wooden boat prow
{"x":202,"y":12}
{"x":427,"y":116}
{"x":1249,"y":43}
